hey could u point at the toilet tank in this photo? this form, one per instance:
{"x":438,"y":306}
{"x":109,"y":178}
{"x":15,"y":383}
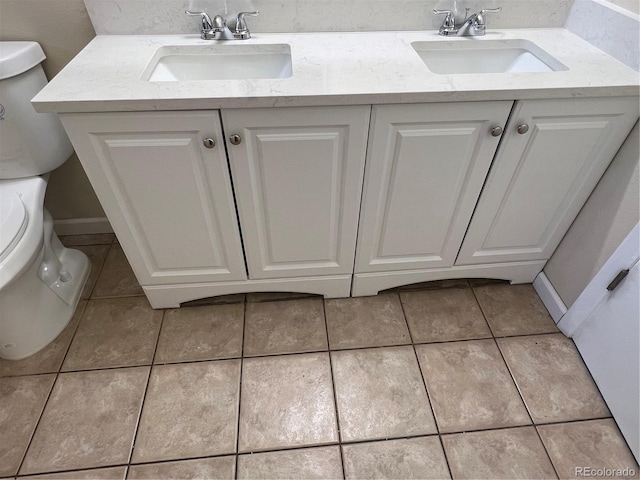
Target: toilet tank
{"x":31,"y":143}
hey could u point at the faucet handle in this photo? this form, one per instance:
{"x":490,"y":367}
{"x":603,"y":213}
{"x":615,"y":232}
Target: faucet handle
{"x":448,"y":26}
{"x":480,"y":16}
{"x":207,"y":24}
{"x":241,"y":30}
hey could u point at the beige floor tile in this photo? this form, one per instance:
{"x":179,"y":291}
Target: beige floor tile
{"x":21,"y":402}
{"x":49,"y":359}
{"x":204,"y":468}
{"x":274,"y":296}
{"x":444,"y":315}
{"x":116,"y":278}
{"x":514,"y":310}
{"x":287,"y":402}
{"x":309,"y":463}
{"x":380,"y":394}
{"x":508,"y":454}
{"x":579,"y":449}
{"x":366,"y":322}
{"x":411,"y":458}
{"x":470,"y":387}
{"x":436,"y":284}
{"x":290,"y":326}
{"x":191,"y":410}
{"x":89,"y":421}
{"x":201,"y":333}
{"x":114,"y":332}
{"x":553,"y":379}
{"x":113,"y":473}
{"x":89,"y":239}
{"x":97,"y":255}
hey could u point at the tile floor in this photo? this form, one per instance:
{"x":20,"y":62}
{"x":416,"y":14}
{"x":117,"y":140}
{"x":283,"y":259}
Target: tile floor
{"x":467,"y":380}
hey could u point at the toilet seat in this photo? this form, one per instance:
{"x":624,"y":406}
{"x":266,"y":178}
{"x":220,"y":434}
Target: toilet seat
{"x":13,"y":221}
{"x":22,"y":201}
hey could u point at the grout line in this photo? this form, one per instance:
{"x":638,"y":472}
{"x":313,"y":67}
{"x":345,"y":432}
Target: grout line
{"x":333,"y":386}
{"x":100,"y":268}
{"x":144,"y":395}
{"x":35,"y":428}
{"x":426,"y":389}
{"x":75,"y":332}
{"x":244,"y":326}
{"x":484,"y":315}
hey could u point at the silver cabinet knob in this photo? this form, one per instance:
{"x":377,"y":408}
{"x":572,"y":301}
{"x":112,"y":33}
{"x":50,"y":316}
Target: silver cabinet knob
{"x":496,"y":131}
{"x":235,"y":139}
{"x":522,"y":129}
{"x":209,"y":142}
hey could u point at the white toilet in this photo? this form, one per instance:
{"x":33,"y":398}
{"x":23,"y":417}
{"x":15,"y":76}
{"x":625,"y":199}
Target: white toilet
{"x":40,"y":280}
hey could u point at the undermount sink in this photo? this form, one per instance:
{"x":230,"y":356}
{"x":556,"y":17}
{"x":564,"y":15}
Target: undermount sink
{"x":485,"y":56}
{"x":219,"y":62}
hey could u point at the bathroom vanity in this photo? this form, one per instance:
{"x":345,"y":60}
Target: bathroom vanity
{"x":344,"y":166}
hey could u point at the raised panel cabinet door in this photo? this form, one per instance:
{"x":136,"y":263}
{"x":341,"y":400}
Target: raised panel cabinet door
{"x":552,"y":156}
{"x":426,"y":165}
{"x":167,"y":196}
{"x":297,"y":176}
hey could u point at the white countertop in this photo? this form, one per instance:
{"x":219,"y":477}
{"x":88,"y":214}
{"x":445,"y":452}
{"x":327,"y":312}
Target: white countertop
{"x":328,"y":69}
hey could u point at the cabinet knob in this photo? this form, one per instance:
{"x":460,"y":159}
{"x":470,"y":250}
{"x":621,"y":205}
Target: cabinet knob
{"x":496,"y":131}
{"x":209,"y":142}
{"x":522,"y":129}
{"x":235,"y":139}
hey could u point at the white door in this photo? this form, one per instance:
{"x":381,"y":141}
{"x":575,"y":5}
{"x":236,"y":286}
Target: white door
{"x":167,"y":196}
{"x":608,"y":342}
{"x":425,"y":167}
{"x":297,"y":175}
{"x":551,"y":157}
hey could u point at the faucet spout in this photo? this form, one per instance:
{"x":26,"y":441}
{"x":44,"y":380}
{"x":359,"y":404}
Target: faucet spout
{"x":472,"y":25}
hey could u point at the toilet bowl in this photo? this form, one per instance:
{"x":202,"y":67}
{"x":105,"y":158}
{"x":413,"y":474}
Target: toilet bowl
{"x":40,"y":280}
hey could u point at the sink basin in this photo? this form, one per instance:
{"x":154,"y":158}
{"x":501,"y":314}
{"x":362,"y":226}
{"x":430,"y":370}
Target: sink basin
{"x":468,"y":56}
{"x":219,"y":62}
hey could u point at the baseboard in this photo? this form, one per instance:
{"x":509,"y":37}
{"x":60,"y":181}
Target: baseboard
{"x":549,"y":296}
{"x":82,"y":226}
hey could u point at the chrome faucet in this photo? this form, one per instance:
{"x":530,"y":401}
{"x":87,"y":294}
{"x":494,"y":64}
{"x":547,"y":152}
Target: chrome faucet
{"x":473,"y":25}
{"x":217,"y":29}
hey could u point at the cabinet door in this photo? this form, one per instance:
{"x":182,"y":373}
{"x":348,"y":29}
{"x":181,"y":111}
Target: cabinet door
{"x":425,"y":167}
{"x":167,"y":196}
{"x":541,"y":178}
{"x":297,"y":177}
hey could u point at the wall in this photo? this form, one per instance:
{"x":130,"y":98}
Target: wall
{"x":63,"y":28}
{"x":613,"y":208}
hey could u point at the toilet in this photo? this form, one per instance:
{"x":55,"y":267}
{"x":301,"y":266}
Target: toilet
{"x":40,"y":280}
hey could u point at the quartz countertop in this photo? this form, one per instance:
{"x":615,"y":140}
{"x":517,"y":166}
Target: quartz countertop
{"x":328,"y":69}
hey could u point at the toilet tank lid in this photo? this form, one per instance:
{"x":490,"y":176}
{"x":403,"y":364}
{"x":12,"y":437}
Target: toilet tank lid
{"x":18,"y":57}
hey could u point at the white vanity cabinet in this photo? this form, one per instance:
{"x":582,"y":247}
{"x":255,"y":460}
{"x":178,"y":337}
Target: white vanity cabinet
{"x":215,"y":202}
{"x":167,"y":195}
{"x":164,"y":181}
{"x":297,"y":175}
{"x":423,"y":216}
{"x":425,"y":168}
{"x":552,"y":155}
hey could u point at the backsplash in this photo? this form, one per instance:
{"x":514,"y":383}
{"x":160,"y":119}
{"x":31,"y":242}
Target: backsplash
{"x":154,"y":17}
{"x":616,"y":31}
